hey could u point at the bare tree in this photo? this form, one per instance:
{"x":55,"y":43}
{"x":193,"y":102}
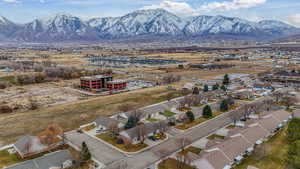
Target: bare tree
{"x":142,"y":133}
{"x":235,"y":115}
{"x":113,"y":128}
{"x":289,"y":101}
{"x":182,"y":142}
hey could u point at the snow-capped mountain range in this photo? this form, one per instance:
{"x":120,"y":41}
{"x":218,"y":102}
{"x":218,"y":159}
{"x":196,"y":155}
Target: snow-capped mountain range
{"x":141,"y":23}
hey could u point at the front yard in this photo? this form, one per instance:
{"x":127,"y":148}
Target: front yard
{"x":172,"y":163}
{"x":196,"y":122}
{"x":191,"y":149}
{"x":168,"y":113}
{"x":7,"y":159}
{"x":109,"y":138}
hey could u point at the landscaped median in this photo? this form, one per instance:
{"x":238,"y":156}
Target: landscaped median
{"x":113,"y":140}
{"x":196,"y":122}
{"x":7,"y":159}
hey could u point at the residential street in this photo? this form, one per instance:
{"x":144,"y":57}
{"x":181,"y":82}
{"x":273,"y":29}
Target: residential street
{"x":99,"y":150}
{"x":145,"y":159}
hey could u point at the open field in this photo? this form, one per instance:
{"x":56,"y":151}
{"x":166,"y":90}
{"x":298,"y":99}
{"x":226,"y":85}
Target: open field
{"x":72,"y":115}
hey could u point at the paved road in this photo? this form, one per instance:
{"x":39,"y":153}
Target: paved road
{"x":145,"y":159}
{"x":100,"y":151}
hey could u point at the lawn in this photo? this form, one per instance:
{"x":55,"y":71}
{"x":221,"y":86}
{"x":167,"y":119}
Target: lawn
{"x":7,"y":159}
{"x":197,"y":121}
{"x":277,"y":148}
{"x":124,"y":147}
{"x":10,"y":79}
{"x":171,"y":163}
{"x":214,"y":136}
{"x":89,"y":127}
{"x":152,"y":120}
{"x":168,"y":113}
{"x":191,"y":149}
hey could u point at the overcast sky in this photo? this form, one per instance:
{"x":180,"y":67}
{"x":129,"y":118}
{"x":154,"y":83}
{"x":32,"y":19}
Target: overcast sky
{"x":26,"y":10}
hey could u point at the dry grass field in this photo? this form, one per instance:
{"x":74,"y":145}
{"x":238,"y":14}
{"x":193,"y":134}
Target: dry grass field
{"x":72,"y":115}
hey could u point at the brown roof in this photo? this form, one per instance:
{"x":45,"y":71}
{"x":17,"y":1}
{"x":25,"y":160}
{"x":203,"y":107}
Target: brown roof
{"x":234,"y":146}
{"x":214,"y":159}
{"x":254,"y":133}
{"x":281,"y":115}
{"x":269,"y":123}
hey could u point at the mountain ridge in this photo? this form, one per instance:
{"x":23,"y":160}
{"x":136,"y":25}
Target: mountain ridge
{"x":154,"y":22}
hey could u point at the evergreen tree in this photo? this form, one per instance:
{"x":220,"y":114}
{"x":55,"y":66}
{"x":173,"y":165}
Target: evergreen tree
{"x":215,"y":86}
{"x":190,"y":115}
{"x":223,"y":87}
{"x":226,"y":80}
{"x":132,"y":122}
{"x":224,"y":106}
{"x":85,"y":154}
{"x":205,"y":89}
{"x":196,"y":91}
{"x":207,"y":112}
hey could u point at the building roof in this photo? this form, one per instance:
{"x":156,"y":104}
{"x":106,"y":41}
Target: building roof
{"x":254,"y":133}
{"x":134,"y":132}
{"x":234,"y":146}
{"x":105,"y":121}
{"x":96,"y":77}
{"x":29,"y":145}
{"x":269,"y":123}
{"x":117,"y":81}
{"x":55,"y":159}
{"x":214,"y":159}
{"x":281,"y":115}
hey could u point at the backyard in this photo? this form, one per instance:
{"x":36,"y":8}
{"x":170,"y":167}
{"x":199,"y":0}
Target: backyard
{"x":277,"y":149}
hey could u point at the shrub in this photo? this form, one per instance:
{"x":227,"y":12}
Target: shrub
{"x":207,"y":112}
{"x":5,"y":109}
{"x":224,"y":106}
{"x":190,"y":116}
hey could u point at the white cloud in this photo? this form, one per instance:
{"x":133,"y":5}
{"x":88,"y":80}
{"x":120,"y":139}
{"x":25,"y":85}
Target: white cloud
{"x":294,"y":19}
{"x":180,"y":8}
{"x":233,"y":5}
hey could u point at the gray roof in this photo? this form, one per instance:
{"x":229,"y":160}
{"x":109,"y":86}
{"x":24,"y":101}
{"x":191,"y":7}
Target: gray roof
{"x":133,"y":132}
{"x":105,"y":121}
{"x":55,"y":159}
{"x":29,"y":145}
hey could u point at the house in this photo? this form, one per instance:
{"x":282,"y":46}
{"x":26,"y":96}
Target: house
{"x":254,"y":133}
{"x":269,"y":123}
{"x":103,"y":123}
{"x":188,"y":86}
{"x":134,"y":135}
{"x":242,"y":94}
{"x":208,"y":160}
{"x":28,"y":146}
{"x":234,"y":147}
{"x":263,"y":86}
{"x":55,"y":160}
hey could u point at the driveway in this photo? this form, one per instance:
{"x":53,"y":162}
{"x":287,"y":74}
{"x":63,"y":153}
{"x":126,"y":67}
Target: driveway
{"x":100,"y":151}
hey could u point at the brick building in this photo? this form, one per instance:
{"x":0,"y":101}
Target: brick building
{"x":95,"y":82}
{"x":116,"y":84}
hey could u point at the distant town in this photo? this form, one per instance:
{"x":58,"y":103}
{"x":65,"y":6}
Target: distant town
{"x":96,"y":107}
